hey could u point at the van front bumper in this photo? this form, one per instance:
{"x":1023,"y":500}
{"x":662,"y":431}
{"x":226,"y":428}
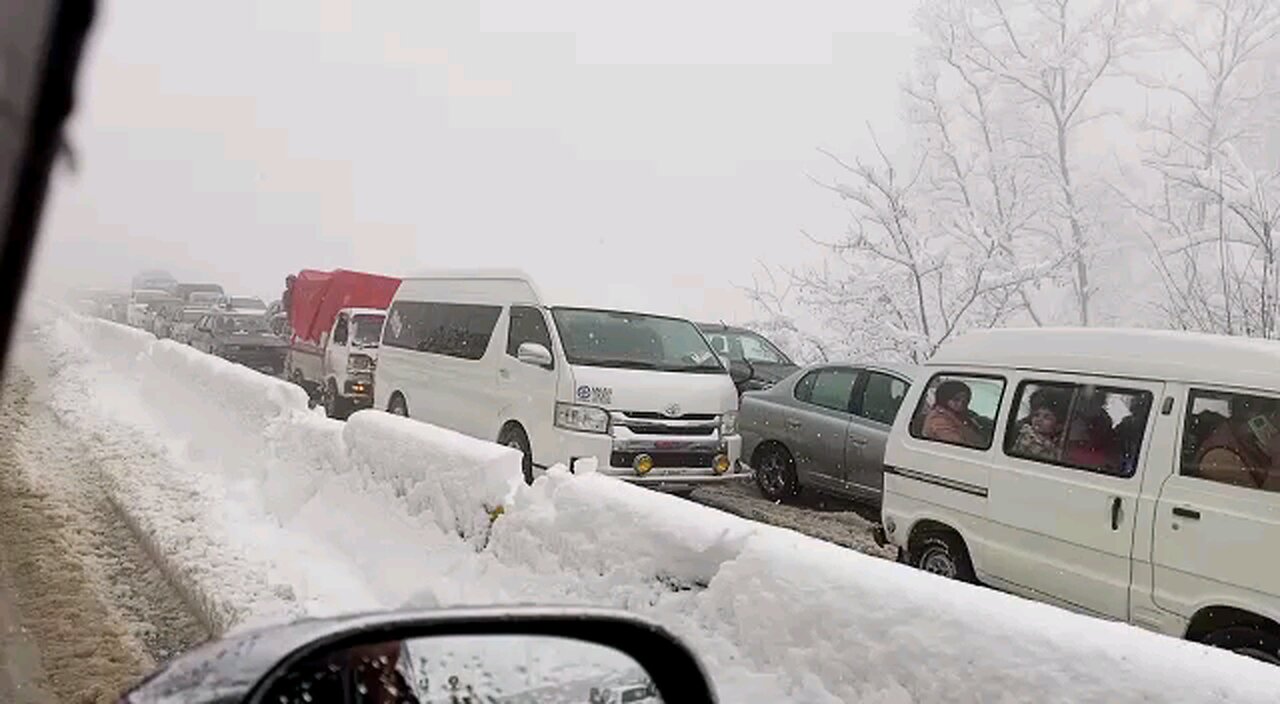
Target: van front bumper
{"x":676,"y":462}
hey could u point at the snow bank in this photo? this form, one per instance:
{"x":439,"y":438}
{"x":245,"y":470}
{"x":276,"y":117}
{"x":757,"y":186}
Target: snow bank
{"x":268,"y":510}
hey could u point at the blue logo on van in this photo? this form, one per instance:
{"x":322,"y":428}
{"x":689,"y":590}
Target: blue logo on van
{"x":584,"y":393}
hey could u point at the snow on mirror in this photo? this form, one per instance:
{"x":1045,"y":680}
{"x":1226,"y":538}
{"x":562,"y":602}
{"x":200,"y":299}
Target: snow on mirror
{"x":469,"y":669}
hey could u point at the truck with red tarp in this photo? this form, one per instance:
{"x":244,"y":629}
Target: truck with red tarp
{"x":335,"y":325}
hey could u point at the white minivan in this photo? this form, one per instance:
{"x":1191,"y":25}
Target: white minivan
{"x":480,"y":353}
{"x":1128,"y":474}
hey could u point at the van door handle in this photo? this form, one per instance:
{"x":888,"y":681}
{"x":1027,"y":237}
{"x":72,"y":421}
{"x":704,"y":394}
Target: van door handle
{"x":1184,"y":512}
{"x":858,"y":442}
{"x":1116,"y":504}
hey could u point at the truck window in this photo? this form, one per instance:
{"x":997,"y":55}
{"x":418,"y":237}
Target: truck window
{"x":340,"y":330}
{"x":527,"y":325}
{"x":959,"y":409}
{"x":1082,"y":426}
{"x":1232,"y":438}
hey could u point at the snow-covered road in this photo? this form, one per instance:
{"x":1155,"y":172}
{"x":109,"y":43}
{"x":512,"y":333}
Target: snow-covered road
{"x":258,"y":509}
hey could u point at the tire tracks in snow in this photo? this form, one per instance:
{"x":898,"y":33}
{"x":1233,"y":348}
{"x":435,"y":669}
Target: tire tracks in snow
{"x":100,"y":611}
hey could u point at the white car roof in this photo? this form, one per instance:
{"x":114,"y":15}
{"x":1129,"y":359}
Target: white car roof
{"x":1123,"y":352}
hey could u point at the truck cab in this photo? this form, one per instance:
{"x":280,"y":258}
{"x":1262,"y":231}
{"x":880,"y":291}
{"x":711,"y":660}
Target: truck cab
{"x":338,"y":372}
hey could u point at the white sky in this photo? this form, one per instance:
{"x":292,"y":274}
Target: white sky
{"x":645,"y":155}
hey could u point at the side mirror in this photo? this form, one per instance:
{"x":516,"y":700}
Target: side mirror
{"x":741,"y":371}
{"x":535,"y":354}
{"x":515,"y":654}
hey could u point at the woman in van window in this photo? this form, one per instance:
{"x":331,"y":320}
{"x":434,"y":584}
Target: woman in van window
{"x":1236,"y":454}
{"x":1040,"y":433}
{"x":949,"y":419}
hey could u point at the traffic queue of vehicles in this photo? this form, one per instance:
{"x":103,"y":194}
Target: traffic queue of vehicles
{"x":1061,"y":465}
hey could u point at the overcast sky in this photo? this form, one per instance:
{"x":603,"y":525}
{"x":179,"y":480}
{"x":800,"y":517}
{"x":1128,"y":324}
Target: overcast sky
{"x":644,"y":155}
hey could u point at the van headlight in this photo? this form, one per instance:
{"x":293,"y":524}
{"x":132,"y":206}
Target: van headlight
{"x":587,"y":419}
{"x":729,"y":423}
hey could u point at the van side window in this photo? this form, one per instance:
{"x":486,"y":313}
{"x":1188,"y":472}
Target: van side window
{"x":461,"y":330}
{"x":959,"y":409}
{"x":880,"y":397}
{"x":829,"y":388}
{"x":1232,"y":439}
{"x":527,"y":325}
{"x":1082,"y":426}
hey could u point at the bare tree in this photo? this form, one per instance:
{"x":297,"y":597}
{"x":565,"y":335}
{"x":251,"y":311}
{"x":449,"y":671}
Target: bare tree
{"x":1213,"y":215}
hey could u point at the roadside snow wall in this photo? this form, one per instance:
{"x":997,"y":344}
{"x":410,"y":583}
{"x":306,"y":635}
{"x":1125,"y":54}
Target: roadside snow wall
{"x":262,"y":509}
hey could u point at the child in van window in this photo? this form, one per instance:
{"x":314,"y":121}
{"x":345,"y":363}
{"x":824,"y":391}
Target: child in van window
{"x":1040,"y":434}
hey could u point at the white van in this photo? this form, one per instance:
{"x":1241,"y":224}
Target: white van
{"x":480,"y":353}
{"x":1128,"y":474}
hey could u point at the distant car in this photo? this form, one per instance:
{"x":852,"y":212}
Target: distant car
{"x":763,"y":363}
{"x":825,"y":428}
{"x":144,"y":304}
{"x":240,"y":337}
{"x":187,"y":291}
{"x":155,"y":280}
{"x":250,"y":304}
{"x":184,"y":326}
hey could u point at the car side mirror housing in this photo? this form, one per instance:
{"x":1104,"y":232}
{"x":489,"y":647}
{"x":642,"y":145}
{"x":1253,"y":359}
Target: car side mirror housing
{"x":535,"y":354}
{"x":741,"y":371}
{"x":543,"y":654}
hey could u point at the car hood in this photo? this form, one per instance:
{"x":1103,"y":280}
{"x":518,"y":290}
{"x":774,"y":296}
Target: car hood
{"x":653,"y":391}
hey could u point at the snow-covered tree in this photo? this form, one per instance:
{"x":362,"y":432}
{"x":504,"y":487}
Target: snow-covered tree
{"x":1214,"y":210}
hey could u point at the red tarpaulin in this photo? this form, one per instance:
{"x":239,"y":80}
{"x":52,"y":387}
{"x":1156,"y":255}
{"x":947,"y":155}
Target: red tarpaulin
{"x":319,"y":295}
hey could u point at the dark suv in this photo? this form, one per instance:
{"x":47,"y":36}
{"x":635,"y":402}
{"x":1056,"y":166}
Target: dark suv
{"x":756,"y":363}
{"x":241,"y":337}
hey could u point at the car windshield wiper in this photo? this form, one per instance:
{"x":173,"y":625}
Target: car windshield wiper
{"x":622,"y":363}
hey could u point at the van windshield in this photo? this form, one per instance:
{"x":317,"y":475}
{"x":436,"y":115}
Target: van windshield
{"x":607,"y":338}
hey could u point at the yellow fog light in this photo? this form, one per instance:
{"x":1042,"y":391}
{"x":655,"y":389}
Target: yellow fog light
{"x":642,"y":464}
{"x":721,"y":464}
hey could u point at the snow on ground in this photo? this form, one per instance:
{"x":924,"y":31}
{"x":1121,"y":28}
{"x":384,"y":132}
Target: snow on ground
{"x":264,"y":510}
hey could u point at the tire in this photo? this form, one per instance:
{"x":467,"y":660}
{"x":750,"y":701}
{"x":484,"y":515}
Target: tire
{"x":943,"y":554}
{"x":513,"y":436}
{"x":775,"y":473}
{"x":335,"y":406}
{"x":397,"y":406}
{"x":1249,"y":641}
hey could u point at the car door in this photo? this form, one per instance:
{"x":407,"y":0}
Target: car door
{"x":526,"y":392}
{"x":1063,"y":504}
{"x":817,"y":425}
{"x":877,"y":396}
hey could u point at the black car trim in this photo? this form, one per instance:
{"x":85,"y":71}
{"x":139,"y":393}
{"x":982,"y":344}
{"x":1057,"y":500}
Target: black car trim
{"x":936,"y":480}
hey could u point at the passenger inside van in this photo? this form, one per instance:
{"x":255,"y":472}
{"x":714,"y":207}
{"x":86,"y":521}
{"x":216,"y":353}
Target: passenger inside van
{"x":1040,"y":432}
{"x":1244,"y":449}
{"x":949,"y":419}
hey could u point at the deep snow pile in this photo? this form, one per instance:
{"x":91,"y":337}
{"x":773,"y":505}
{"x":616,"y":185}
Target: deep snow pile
{"x":263,"y":510}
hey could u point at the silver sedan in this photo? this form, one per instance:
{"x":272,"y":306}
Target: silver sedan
{"x":823,"y":427}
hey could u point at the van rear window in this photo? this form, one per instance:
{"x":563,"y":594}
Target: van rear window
{"x":959,"y":409}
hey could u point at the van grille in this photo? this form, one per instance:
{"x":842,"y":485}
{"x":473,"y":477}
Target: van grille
{"x":689,"y":425}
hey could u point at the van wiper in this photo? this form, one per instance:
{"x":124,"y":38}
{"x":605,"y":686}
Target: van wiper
{"x":621,"y":363}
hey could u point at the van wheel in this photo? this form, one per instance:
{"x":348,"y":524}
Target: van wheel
{"x":775,"y":472}
{"x":943,"y":554}
{"x":1248,"y":641}
{"x":513,"y":436}
{"x":397,"y":406}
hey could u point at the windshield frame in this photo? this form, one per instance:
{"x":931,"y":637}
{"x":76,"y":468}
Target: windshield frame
{"x":570,"y":358}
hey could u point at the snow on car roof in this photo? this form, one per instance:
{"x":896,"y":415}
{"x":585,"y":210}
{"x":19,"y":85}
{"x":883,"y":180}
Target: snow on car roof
{"x":1128,"y":352}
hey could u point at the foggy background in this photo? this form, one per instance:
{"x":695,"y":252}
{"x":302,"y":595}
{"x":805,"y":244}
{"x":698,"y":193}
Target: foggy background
{"x":644,"y":156}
